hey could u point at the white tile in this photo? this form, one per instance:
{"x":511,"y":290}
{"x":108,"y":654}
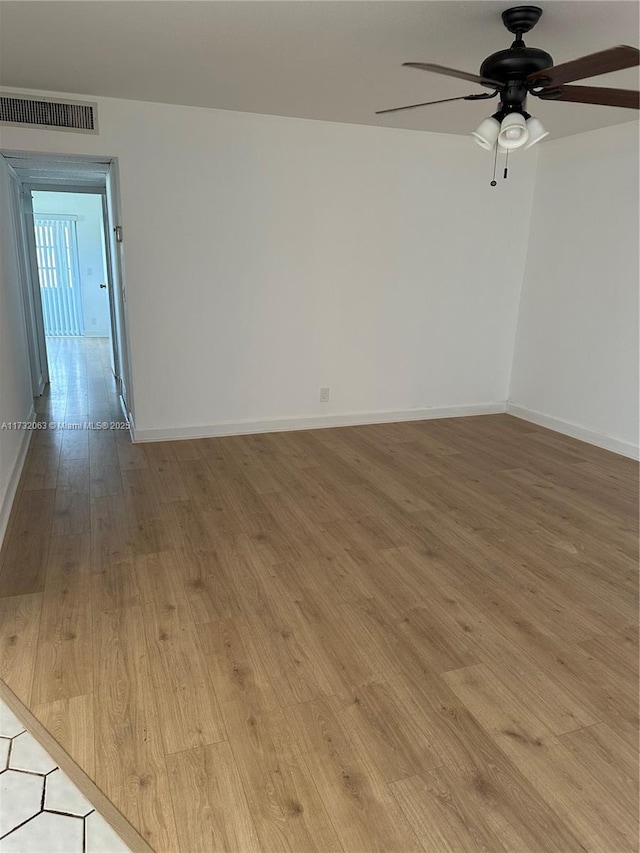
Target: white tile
{"x":101,"y":838}
{"x":4,"y":752}
{"x":10,"y":725}
{"x":27,"y":754}
{"x":20,"y":796}
{"x":46,"y":833}
{"x":61,"y":795}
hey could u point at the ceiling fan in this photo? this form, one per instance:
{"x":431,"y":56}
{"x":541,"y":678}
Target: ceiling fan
{"x":519,"y":71}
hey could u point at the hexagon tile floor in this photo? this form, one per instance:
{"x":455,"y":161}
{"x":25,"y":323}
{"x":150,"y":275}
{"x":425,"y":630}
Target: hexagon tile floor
{"x":41,"y":810}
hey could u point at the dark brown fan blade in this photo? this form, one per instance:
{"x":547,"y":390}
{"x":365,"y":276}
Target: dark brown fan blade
{"x":594,"y":95}
{"x":453,"y":72}
{"x":614,"y":59}
{"x":479,"y":97}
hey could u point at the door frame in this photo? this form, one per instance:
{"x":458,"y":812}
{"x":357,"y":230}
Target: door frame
{"x":108,"y":188}
{"x":28,"y":273}
{"x":115,"y":249}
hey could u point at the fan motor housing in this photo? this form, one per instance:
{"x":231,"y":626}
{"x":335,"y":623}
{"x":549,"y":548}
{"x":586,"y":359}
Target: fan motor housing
{"x":516,"y":63}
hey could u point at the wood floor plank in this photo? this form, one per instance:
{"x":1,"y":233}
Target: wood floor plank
{"x":598,"y":820}
{"x":187,"y":707}
{"x":64,"y":663}
{"x":75,"y":445}
{"x":279,"y":638}
{"x":618,"y":649}
{"x":442,"y":818}
{"x":498,"y":629}
{"x":106,"y":480}
{"x":346,"y":663}
{"x":400,"y":661}
{"x":603,"y":752}
{"x":283,"y":656}
{"x":257,"y":474}
{"x":71,"y":512}
{"x":209,"y":801}
{"x":25,"y":555}
{"x":70,"y":721}
{"x":206,"y":585}
{"x":362,"y":809}
{"x":282,"y":795}
{"x":397,"y":744}
{"x":470,"y":756}
{"x":142,"y":496}
{"x":110,"y":536}
{"x":501,"y":491}
{"x":187,"y":527}
{"x":609,"y":667}
{"x":495,"y":808}
{"x":130,"y":762}
{"x":42,"y":467}
{"x":234,"y":666}
{"x":445,"y":649}
{"x":378,"y":471}
{"x":115,"y":587}
{"x":602,"y":520}
{"x":131,"y":456}
{"x":494,"y":501}
{"x":19,"y":624}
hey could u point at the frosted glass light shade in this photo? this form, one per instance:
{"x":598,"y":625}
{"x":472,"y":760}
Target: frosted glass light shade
{"x":536,"y":131}
{"x":487,"y":133}
{"x":513,"y":131}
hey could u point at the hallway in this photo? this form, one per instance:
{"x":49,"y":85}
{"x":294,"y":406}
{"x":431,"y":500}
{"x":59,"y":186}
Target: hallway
{"x":69,"y":464}
{"x":81,"y":381}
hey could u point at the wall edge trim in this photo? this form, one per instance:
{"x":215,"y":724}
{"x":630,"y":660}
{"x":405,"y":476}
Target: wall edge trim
{"x":599,"y":439}
{"x":249,"y":427}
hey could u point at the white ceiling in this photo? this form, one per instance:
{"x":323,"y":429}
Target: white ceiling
{"x":337,"y":61}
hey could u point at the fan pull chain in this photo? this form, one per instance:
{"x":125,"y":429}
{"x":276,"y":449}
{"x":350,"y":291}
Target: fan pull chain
{"x":506,"y":164}
{"x":494,"y":183}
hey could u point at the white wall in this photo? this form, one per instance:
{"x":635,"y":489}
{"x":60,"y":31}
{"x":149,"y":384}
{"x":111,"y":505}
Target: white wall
{"x":91,"y":254}
{"x":269,"y":256}
{"x":576,"y":356}
{"x":15,"y":381}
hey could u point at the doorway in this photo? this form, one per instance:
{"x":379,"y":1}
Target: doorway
{"x":72,"y":263}
{"x":67,"y":210}
{"x":71,"y":258}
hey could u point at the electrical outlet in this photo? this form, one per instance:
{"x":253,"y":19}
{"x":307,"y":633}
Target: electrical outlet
{"x":324,"y":395}
{"x":94,"y":321}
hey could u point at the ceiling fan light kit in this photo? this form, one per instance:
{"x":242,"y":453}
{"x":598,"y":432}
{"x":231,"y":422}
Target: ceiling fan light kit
{"x":519,"y":71}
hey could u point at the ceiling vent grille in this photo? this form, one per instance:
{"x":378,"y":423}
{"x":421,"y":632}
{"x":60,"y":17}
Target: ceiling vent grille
{"x":25,"y":111}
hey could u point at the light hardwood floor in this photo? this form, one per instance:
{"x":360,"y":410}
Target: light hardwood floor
{"x":405,"y":637}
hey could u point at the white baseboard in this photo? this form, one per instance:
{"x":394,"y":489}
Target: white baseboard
{"x":6,"y":503}
{"x":600,"y":439}
{"x":316,"y":422}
